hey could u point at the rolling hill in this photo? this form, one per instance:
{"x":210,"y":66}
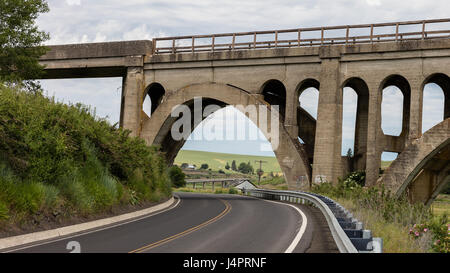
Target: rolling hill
{"x":217,"y":161}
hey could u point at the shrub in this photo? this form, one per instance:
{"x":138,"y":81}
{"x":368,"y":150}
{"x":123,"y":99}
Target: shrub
{"x":232,"y":191}
{"x":391,"y":209}
{"x":204,"y":166}
{"x":55,"y":155}
{"x":177,"y":177}
{"x":4,"y":211}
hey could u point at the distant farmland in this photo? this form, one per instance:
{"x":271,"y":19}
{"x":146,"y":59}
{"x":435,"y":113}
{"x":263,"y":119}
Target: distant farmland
{"x":217,"y":161}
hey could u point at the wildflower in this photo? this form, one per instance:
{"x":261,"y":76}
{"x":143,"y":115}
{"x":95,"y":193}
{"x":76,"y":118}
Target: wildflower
{"x":417,"y":234}
{"x":425,"y":230}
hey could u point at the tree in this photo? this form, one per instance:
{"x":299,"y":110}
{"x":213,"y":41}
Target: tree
{"x":233,"y":165}
{"x":204,"y":166}
{"x":350,"y":160}
{"x":177,"y":177}
{"x":227,"y":166}
{"x":246,"y":168}
{"x":20,"y":41}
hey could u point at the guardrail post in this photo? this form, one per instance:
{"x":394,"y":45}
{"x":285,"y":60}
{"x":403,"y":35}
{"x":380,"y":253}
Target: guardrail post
{"x":347,"y":31}
{"x":276,"y":39}
{"x":193,"y":39}
{"x":234,"y":40}
{"x":396,"y":32}
{"x":299,"y":36}
{"x":371,"y":33}
{"x":173,"y":46}
{"x":322,"y":34}
{"x":423,"y":30}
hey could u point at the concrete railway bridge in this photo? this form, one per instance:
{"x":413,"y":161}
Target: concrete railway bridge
{"x":268,"y":68}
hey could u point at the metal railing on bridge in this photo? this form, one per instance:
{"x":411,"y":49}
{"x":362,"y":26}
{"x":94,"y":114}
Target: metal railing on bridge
{"x":301,"y":37}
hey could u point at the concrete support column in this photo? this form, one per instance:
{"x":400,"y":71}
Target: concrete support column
{"x":375,"y":138}
{"x":290,"y":119}
{"x":132,"y":89}
{"x":327,"y":151}
{"x":415,"y":109}
{"x":361,"y":132}
{"x":446,"y":89}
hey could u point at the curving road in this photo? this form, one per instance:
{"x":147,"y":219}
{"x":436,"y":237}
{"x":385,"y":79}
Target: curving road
{"x":210,"y":223}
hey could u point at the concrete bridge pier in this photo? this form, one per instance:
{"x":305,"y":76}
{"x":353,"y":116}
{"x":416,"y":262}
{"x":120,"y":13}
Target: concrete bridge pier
{"x":132,"y":90}
{"x":327,"y":151}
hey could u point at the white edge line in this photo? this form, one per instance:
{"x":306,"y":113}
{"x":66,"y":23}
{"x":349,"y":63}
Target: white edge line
{"x":138,"y":218}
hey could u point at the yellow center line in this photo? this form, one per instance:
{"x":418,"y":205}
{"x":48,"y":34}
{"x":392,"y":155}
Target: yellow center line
{"x":181,"y":234}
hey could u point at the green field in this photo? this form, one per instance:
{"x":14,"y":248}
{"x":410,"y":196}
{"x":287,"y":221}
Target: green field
{"x":217,"y":161}
{"x":385,"y":164}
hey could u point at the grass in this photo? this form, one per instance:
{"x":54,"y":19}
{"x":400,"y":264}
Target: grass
{"x":441,"y":205}
{"x":395,"y":236}
{"x":385,"y":164}
{"x":217,"y":161}
{"x":404,"y":227}
{"x":58,"y":159}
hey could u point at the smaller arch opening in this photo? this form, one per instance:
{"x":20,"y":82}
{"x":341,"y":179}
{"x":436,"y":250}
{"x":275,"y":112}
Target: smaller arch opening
{"x":308,"y":96}
{"x":274,"y":93}
{"x":355,"y":108}
{"x":436,"y":100}
{"x":152,"y":98}
{"x":387,"y":158}
{"x":396,"y":95}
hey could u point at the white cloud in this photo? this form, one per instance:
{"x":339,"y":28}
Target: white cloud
{"x":76,"y":21}
{"x":373,"y":2}
{"x":73,"y":2}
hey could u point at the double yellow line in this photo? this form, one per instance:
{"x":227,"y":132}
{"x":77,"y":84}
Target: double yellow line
{"x":181,"y":234}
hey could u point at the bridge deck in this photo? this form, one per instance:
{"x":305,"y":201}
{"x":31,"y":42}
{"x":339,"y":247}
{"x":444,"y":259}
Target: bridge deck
{"x":300,"y":37}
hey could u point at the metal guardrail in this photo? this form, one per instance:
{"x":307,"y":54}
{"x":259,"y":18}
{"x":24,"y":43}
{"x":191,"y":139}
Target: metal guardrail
{"x":300,"y":37}
{"x":347,"y":232}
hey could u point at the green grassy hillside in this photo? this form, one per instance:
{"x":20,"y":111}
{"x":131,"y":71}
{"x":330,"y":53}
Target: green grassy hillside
{"x":217,"y":161}
{"x":57,"y":159}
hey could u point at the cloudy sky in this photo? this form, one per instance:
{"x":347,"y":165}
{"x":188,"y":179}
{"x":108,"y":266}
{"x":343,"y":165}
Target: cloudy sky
{"x":81,"y":21}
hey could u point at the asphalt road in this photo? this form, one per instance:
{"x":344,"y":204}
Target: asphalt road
{"x":209,"y":223}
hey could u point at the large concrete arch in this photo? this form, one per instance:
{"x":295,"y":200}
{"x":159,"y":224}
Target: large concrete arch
{"x":290,"y":154}
{"x":423,"y":167}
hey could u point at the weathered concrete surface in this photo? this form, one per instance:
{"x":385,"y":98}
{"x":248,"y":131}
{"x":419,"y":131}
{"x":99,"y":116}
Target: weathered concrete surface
{"x":367,"y":68}
{"x":423,"y":167}
{"x":94,"y":59}
{"x":290,"y":156}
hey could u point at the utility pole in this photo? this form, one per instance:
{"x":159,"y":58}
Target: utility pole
{"x":260,"y":171}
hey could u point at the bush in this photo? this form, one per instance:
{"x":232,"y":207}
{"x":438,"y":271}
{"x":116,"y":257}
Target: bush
{"x":55,"y":156}
{"x":232,"y":191}
{"x":439,"y":228}
{"x":357,"y":178}
{"x":391,"y":209}
{"x":204,"y":166}
{"x":177,"y":177}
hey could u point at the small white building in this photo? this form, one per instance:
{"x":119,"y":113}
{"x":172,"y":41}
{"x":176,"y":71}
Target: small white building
{"x":244,"y":184}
